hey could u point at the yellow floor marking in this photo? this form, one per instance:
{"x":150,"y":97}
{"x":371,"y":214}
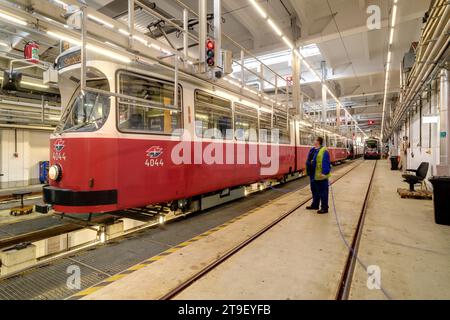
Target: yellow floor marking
{"x":137,"y":267}
{"x":115,"y":277}
{"x":155,"y":258}
{"x":87,"y":291}
{"x":171,"y":250}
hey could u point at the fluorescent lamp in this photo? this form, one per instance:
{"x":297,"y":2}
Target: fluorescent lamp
{"x":275,"y":27}
{"x":32,"y":84}
{"x":12,"y":18}
{"x":154,"y":46}
{"x":63,"y":4}
{"x":106,"y":24}
{"x":101,"y":51}
{"x":141,"y":40}
{"x":288,"y":42}
{"x":108,"y":53}
{"x":259,"y":9}
{"x":124,"y":32}
{"x":394,"y":15}
{"x":391,"y":36}
{"x":265,"y":110}
{"x":64,"y":37}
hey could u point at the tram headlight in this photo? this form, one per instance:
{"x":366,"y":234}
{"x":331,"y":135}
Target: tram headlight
{"x":55,"y":172}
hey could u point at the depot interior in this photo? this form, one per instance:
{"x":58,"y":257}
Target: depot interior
{"x":352,"y":71}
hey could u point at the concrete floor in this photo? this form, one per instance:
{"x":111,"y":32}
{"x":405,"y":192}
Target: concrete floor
{"x":301,"y":258}
{"x":401,"y":237}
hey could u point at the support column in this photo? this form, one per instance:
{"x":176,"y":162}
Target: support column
{"x":324,"y":104}
{"x":296,"y":90}
{"x":338,"y":117}
{"x":131,"y":22}
{"x":324,"y":92}
{"x":445,"y":124}
{"x":202,"y":32}
{"x":218,"y":31}
{"x":185,"y":34}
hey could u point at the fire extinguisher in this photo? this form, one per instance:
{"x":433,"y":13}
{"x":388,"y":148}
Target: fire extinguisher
{"x":31,"y":52}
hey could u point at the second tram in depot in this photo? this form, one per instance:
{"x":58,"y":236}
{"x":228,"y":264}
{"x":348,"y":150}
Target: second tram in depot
{"x":116,"y":151}
{"x":372,"y":149}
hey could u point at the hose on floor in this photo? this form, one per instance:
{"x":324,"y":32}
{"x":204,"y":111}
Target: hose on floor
{"x":341,"y":233}
{"x":349,"y":247}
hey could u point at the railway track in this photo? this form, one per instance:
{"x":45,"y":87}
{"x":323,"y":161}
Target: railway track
{"x":344,"y":286}
{"x":109,"y":267}
{"x":347,"y":276}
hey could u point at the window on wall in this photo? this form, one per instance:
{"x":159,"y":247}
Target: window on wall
{"x":213,"y":117}
{"x":280,"y":122}
{"x":265,"y":126}
{"x":153,"y":111}
{"x":246,"y":123}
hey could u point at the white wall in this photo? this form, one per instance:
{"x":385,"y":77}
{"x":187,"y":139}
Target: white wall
{"x":23,"y":170}
{"x":425,"y":149}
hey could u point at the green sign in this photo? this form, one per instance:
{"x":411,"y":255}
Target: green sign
{"x":443,"y":134}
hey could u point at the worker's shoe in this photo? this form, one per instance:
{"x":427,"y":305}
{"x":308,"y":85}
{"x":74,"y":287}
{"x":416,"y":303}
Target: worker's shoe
{"x":311,"y":208}
{"x":322,"y":211}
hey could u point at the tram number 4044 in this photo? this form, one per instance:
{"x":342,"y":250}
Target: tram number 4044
{"x":154,"y":163}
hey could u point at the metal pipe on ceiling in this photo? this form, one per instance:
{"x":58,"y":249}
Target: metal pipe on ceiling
{"x":419,"y":75}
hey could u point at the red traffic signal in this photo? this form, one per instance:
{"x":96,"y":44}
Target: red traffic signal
{"x":371,"y":122}
{"x":210,"y":45}
{"x":210,"y":53}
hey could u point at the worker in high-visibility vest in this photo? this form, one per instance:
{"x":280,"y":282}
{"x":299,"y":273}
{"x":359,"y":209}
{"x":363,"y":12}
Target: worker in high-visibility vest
{"x":318,"y":168}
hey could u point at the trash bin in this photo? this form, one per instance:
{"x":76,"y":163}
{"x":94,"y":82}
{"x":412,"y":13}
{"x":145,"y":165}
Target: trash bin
{"x":43,"y":171}
{"x":441,"y":188}
{"x":394,"y":163}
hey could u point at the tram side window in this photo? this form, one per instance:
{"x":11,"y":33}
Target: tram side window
{"x":331,"y":141}
{"x":306,"y":138}
{"x":154,"y":112}
{"x":213,"y":117}
{"x":246,"y":123}
{"x":265,"y":126}
{"x":280,"y":122}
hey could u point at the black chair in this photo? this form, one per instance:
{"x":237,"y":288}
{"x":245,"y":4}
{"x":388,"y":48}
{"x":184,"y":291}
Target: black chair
{"x":418,"y":177}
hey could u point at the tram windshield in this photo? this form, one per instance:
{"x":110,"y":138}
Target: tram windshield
{"x":88,"y":112}
{"x":372,"y":144}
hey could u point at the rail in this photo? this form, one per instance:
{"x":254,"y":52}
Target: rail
{"x":213,"y":265}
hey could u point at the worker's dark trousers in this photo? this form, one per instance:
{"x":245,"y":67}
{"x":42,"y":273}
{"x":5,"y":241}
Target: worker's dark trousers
{"x":319,"y":191}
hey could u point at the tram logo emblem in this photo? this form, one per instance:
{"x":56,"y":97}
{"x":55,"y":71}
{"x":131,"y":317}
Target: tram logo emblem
{"x":59,"y":145}
{"x":154,"y":152}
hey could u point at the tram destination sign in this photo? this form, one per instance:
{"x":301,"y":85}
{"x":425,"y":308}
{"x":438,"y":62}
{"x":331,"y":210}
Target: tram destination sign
{"x":68,"y":60}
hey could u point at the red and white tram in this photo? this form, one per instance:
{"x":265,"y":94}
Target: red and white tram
{"x":113,"y":152}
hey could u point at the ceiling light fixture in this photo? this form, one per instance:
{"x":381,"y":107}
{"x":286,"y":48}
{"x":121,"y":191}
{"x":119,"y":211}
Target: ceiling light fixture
{"x":275,"y":27}
{"x":91,"y":47}
{"x":278,"y":31}
{"x":12,"y":18}
{"x":33,"y":84}
{"x":388,"y":64}
{"x":259,"y":9}
{"x":98,"y":20}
